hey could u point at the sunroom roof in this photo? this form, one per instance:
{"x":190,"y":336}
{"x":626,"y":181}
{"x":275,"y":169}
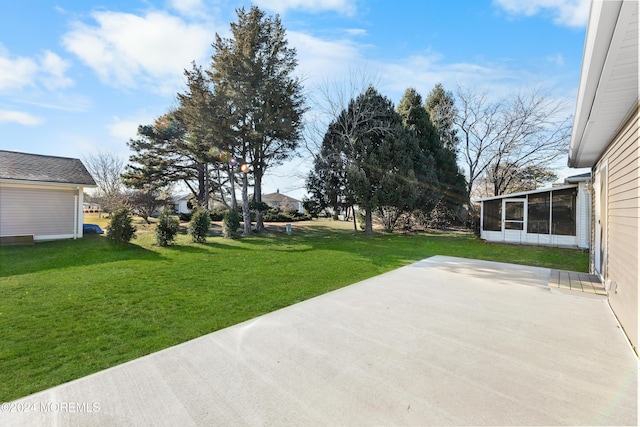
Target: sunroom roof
{"x":524,"y":193}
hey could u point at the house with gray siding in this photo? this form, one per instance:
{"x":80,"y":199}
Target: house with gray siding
{"x":606,"y":139}
{"x":41,"y":197}
{"x":282,"y":201}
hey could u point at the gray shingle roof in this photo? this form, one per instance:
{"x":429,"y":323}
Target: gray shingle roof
{"x":278,"y":197}
{"x":40,"y":168}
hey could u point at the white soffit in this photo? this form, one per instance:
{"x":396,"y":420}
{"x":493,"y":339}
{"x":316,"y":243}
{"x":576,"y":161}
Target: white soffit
{"x":609,"y":81}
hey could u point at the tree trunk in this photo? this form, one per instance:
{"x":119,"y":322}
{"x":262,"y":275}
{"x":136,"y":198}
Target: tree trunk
{"x":232,"y":184}
{"x":257,"y":197}
{"x":355,"y":220}
{"x":206,"y":186}
{"x":201,"y":185}
{"x":368,"y":221}
{"x":246,"y":215}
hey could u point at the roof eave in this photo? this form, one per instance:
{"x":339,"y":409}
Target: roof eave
{"x":46,"y":183}
{"x":600,"y":107}
{"x":525,"y":193}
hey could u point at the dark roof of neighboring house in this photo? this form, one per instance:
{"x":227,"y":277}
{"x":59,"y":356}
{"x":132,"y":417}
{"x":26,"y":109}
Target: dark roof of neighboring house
{"x":41,"y":168}
{"x":576,"y":178}
{"x":278,"y":197}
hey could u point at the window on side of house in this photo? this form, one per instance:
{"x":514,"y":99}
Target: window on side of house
{"x":538,"y":213}
{"x":492,"y":215}
{"x":563,"y":215}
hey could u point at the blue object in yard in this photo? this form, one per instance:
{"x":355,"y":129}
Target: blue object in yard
{"x":92,"y":229}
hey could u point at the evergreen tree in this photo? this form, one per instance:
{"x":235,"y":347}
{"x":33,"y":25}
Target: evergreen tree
{"x":440,"y":105}
{"x":199,"y":225}
{"x":167,"y":228}
{"x":163,"y":155}
{"x":416,"y":119}
{"x":327,"y":182}
{"x":373,"y":156}
{"x":120,"y":231}
{"x":252,"y":76}
{"x":199,"y":114}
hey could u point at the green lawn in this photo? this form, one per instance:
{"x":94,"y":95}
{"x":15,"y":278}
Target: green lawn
{"x":70,"y":308}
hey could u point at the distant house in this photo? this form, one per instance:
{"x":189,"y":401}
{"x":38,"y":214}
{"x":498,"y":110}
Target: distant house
{"x":282,"y":202}
{"x":91,"y":207}
{"x":557,"y":216}
{"x":606,"y":139}
{"x":181,"y":204}
{"x":41,"y":196}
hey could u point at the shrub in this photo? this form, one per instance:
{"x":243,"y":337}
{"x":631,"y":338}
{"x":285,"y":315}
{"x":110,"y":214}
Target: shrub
{"x":277,"y":215}
{"x":199,"y":225}
{"x":184,"y":217}
{"x":440,"y":217}
{"x":217,"y":214}
{"x":231,"y":224}
{"x":120,"y":231}
{"x":167,"y":228}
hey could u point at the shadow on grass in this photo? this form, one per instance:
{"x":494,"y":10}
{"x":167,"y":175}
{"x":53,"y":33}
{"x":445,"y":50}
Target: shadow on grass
{"x":90,"y":250}
{"x":205,"y":247}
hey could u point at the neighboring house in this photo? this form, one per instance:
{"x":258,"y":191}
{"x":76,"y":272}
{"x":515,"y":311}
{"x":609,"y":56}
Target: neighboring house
{"x":283,"y":202}
{"x":90,"y":207}
{"x":557,"y":216}
{"x":41,"y":196}
{"x":605,"y":138}
{"x":181,"y":204}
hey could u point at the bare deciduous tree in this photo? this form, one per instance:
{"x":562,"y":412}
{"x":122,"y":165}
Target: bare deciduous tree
{"x":106,"y":169}
{"x":500,"y":139}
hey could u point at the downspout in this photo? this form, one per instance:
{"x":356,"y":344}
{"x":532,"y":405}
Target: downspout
{"x":75,"y":214}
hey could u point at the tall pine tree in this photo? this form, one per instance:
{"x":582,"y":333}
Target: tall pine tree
{"x":252,"y":76}
{"x":440,"y":105}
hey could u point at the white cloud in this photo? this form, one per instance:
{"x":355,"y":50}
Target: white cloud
{"x":571,"y":13}
{"x":20,"y":117}
{"x":356,"y":32}
{"x":124,"y":129}
{"x":126,"y":50}
{"x":557,"y":59}
{"x":345,"y":7}
{"x":423,"y":72}
{"x":16,"y":73}
{"x":54,"y":69}
{"x":188,"y":7}
{"x":321,"y":60}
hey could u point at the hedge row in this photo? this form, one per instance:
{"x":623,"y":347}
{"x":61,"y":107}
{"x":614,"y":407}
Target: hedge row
{"x":271,"y":215}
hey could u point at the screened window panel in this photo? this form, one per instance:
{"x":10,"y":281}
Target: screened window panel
{"x":563,"y":215}
{"x":538,"y":213}
{"x":514,"y":215}
{"x":514,"y":211}
{"x":513,"y":225}
{"x":492,"y":215}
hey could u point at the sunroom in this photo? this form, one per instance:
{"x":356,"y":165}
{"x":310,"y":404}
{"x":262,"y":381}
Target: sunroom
{"x":557,"y":216}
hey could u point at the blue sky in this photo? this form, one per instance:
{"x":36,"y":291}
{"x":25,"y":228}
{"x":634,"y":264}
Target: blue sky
{"x":79,"y":76}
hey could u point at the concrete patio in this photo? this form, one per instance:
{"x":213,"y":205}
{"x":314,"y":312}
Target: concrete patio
{"x":444,"y":341}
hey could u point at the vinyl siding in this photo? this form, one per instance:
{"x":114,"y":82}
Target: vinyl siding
{"x":43,"y":212}
{"x":623,"y":224}
{"x":583,"y":228}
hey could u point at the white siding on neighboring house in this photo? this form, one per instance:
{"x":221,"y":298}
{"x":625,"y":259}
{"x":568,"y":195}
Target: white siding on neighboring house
{"x":621,"y":240}
{"x":42,"y":211}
